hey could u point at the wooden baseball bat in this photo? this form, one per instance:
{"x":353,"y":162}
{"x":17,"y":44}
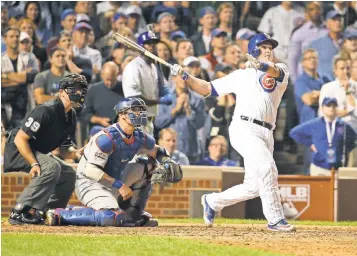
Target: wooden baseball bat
{"x":135,"y":47}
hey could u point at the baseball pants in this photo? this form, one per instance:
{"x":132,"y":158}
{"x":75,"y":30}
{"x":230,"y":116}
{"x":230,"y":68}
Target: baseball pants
{"x":53,"y":187}
{"x":100,"y":195}
{"x":256,"y":145}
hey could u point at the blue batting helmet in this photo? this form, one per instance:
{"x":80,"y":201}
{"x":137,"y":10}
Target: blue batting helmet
{"x":147,"y":37}
{"x":257,"y":40}
{"x":136,"y":110}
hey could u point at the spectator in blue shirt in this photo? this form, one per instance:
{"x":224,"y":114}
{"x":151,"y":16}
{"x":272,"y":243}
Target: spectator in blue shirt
{"x":217,"y":151}
{"x":185,"y":115}
{"x":307,"y":87}
{"x":329,"y":138}
{"x":328,"y":46}
{"x":311,"y":30}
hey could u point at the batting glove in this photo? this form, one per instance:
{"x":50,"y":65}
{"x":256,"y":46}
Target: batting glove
{"x":178,"y":70}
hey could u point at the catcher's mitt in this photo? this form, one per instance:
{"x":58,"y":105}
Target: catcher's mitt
{"x":168,"y":172}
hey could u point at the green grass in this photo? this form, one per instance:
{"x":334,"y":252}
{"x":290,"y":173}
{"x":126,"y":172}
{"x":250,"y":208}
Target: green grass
{"x":58,"y":245}
{"x":247,"y":221}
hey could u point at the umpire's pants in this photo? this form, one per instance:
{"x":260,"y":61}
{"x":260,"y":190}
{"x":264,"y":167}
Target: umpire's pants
{"x":53,"y":187}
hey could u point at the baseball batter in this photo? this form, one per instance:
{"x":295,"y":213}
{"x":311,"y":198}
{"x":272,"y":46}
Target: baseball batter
{"x":259,"y":89}
{"x":114,"y":191}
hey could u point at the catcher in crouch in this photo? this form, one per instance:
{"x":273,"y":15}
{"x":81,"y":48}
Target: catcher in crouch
{"x":114,"y":190}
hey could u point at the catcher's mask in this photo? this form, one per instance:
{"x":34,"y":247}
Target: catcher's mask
{"x":76,"y":87}
{"x":136,"y":110}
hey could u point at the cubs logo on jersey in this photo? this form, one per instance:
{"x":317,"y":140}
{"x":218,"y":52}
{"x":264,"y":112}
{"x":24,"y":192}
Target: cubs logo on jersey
{"x":267,"y":82}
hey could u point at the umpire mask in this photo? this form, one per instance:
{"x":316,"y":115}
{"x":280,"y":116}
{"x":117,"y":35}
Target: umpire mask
{"x":76,"y":87}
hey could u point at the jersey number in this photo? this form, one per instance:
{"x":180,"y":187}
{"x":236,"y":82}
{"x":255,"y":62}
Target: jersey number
{"x":34,"y":125}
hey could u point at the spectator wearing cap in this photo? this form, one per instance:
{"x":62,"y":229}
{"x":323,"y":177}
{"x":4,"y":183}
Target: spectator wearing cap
{"x":18,"y":70}
{"x":177,"y":36}
{"x":74,"y":64}
{"x":85,"y":13}
{"x":166,"y":25}
{"x":28,"y":26}
{"x":46,"y":83}
{"x":242,"y":39}
{"x":311,"y":30}
{"x":193,"y":65}
{"x":186,"y":114}
{"x":328,"y":46}
{"x":202,"y":40}
{"x":102,"y":96}
{"x":68,"y":19}
{"x":349,"y":45}
{"x":165,"y":6}
{"x":231,"y":56}
{"x":168,"y":140}
{"x":217,"y":152}
{"x":80,"y":36}
{"x":141,"y":79}
{"x":278,"y":21}
{"x":328,"y":137}
{"x":347,"y":10}
{"x":104,"y":44}
{"x":136,"y":20}
{"x":215,"y":56}
{"x":225,"y":13}
{"x":343,"y":90}
{"x":26,"y":45}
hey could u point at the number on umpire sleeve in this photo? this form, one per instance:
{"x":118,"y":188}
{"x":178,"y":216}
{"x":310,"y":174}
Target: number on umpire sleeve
{"x":29,"y":122}
{"x":35,"y":126}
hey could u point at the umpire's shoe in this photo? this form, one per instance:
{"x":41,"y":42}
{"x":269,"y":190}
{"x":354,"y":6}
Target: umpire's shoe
{"x":147,"y":220}
{"x":20,"y":215}
{"x":281,"y":226}
{"x":208,"y":212}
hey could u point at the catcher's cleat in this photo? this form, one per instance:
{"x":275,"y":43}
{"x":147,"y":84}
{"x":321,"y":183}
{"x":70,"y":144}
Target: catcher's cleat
{"x":20,"y":215}
{"x":281,"y":226}
{"x":52,"y":218}
{"x":208,"y":212}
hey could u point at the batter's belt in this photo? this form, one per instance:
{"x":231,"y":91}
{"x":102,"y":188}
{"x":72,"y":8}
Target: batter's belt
{"x":258,"y":122}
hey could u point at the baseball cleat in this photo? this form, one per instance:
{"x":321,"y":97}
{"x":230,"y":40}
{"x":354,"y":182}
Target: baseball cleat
{"x":208,"y":212}
{"x":281,"y":226}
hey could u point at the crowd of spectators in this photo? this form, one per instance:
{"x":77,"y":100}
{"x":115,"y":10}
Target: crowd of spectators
{"x":44,"y":41}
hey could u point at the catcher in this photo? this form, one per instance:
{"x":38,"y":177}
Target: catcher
{"x":114,"y":190}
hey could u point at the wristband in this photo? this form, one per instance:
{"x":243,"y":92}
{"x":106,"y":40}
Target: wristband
{"x":117,"y":184}
{"x":34,"y":164}
{"x":184,"y":76}
{"x":264,"y":67}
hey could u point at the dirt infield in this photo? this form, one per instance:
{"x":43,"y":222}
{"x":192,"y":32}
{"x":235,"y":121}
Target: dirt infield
{"x":307,"y":240}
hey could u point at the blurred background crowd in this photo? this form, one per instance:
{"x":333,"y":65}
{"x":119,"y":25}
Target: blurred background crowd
{"x":44,"y":41}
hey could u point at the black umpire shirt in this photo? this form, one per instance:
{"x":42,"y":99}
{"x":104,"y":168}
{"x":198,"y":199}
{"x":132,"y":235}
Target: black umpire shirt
{"x":48,"y":126}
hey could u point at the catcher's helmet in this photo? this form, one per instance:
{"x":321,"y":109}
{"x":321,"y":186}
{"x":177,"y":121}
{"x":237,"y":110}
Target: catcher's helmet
{"x":133,"y":106}
{"x":147,"y":37}
{"x":257,"y":40}
{"x":71,"y":84}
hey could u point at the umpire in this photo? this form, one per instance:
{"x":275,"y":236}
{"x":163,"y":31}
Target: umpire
{"x":28,"y":149}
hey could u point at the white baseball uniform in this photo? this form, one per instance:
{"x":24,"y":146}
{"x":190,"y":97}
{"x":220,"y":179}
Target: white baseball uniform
{"x":258,"y":97}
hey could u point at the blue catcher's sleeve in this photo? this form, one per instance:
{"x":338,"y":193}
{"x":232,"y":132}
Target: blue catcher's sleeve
{"x":149,"y":142}
{"x":302,"y":133}
{"x":105,"y":143}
